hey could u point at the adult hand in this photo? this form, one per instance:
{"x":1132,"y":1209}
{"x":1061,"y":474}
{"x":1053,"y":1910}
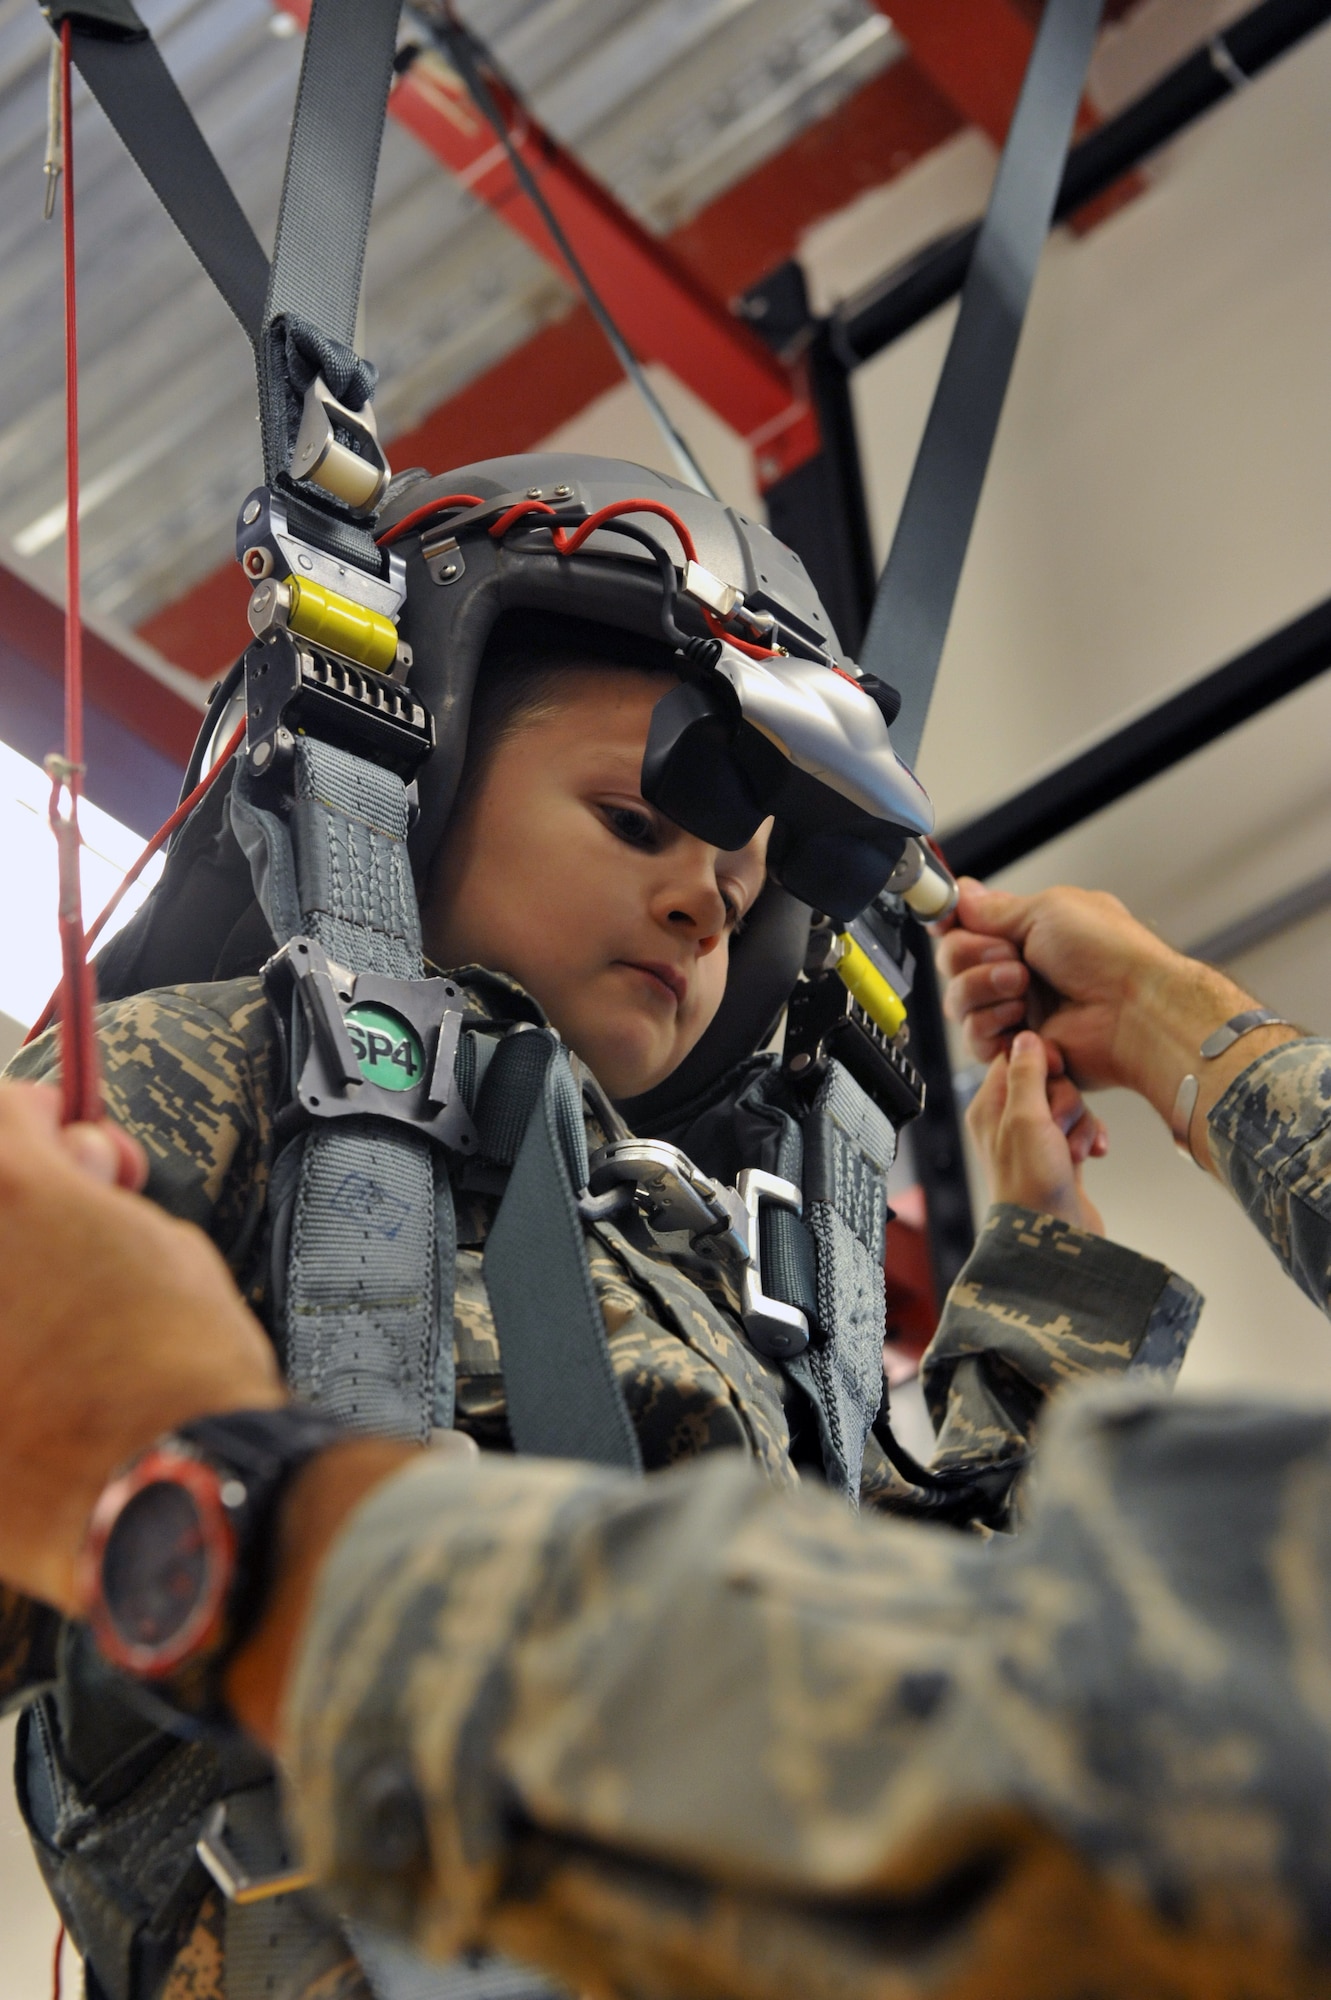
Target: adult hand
{"x":1031,"y":1155}
{"x":1114,"y":1003}
{"x":116,"y":1322}
{"x":1091,"y":958}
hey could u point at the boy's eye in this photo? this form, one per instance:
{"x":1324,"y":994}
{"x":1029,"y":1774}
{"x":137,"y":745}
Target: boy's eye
{"x":635,"y":828}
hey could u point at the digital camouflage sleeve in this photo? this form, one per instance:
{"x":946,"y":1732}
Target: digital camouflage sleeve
{"x":694,"y":1736}
{"x":193,"y":1073}
{"x":1270,"y":1137}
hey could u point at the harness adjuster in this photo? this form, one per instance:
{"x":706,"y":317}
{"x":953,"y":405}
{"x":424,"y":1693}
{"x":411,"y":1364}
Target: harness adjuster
{"x":293,"y":688}
{"x":674,"y":1195}
{"x":356,"y":474}
{"x":230,"y":1873}
{"x":376,"y":1046}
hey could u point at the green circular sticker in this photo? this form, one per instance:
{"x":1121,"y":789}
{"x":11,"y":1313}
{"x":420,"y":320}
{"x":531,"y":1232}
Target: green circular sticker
{"x":386,"y":1047}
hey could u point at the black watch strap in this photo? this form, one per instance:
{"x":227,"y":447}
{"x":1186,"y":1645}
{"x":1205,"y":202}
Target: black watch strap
{"x":262,"y":1450}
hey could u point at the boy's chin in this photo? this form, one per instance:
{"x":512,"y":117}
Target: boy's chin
{"x":631,"y":1056}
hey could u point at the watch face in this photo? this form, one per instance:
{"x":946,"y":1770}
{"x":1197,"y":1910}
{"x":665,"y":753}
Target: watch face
{"x":162,"y":1551}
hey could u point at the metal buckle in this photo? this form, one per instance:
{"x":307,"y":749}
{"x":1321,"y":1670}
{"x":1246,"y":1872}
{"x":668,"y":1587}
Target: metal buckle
{"x":357,"y":478}
{"x":266,"y":546}
{"x":774,"y":1328}
{"x":292,"y":687}
{"x":230,"y":1873}
{"x":364,"y":1022}
{"x":674,"y":1195}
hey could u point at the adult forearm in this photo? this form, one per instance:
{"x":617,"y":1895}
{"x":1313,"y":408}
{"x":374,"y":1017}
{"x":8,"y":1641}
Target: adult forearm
{"x":688,"y":1734}
{"x":1171,"y":1005}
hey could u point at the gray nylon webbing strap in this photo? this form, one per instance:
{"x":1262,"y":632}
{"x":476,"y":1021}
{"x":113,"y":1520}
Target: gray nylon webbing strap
{"x":139,"y":95}
{"x":284,"y":1947}
{"x":829,"y":1262}
{"x":122,"y":1868}
{"x":397,"y":1973}
{"x":559,"y":1382}
{"x":369,"y":1277}
{"x":332,"y":161}
{"x":913,"y":606}
{"x":362,"y":1289}
{"x":848,"y":1148}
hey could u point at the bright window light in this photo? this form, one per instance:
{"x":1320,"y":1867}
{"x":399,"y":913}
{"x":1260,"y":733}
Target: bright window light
{"x":29,"y":941}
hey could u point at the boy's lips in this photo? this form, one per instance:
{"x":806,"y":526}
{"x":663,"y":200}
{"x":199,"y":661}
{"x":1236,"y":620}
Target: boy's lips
{"x":670,"y":977}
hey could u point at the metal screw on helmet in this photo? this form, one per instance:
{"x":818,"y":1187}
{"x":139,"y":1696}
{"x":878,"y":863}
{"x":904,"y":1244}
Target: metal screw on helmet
{"x":257,"y":562}
{"x":533,"y":492}
{"x":251,"y":513}
{"x":562,"y":492}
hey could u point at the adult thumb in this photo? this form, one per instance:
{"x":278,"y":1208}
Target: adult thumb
{"x":993,"y":912}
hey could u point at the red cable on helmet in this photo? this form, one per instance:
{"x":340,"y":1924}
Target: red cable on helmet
{"x":567,"y":544}
{"x":421,"y":514}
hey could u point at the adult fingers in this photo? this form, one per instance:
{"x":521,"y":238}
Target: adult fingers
{"x":107,"y":1154}
{"x":989,"y":1030}
{"x":961,"y":949}
{"x":94,"y":1152}
{"x":1087,"y":1139}
{"x":1066,"y":1103}
{"x":985,"y":986}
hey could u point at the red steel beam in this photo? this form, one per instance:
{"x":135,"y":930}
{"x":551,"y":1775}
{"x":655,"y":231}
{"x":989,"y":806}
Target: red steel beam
{"x":664,"y":313}
{"x":34,"y":627}
{"x":976,"y":52}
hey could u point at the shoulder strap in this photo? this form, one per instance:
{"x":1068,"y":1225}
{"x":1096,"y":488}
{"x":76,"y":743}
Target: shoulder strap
{"x":913,"y":606}
{"x":119,"y":61}
{"x":562,"y":1395}
{"x":361,"y":1319}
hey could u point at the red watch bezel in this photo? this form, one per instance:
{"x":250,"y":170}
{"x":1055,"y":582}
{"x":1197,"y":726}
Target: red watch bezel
{"x":205,"y":1625}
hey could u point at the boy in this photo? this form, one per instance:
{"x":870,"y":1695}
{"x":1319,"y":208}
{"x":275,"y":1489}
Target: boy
{"x":559,"y":895}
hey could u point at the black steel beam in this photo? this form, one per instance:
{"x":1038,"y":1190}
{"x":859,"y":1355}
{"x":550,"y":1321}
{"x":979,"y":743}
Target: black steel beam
{"x":865,"y":325}
{"x":1143,"y":748}
{"x":820,"y":511}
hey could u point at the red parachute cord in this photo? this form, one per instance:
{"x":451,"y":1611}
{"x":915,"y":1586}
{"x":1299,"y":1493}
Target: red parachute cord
{"x":81,"y":1097}
{"x":56,"y":1964}
{"x":132,"y":874}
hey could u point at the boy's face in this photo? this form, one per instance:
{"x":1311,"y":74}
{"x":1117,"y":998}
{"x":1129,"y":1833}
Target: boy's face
{"x":562,"y":875}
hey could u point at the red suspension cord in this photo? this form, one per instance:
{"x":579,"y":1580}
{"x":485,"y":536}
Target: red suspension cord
{"x":81,"y":1097}
{"x":132,"y":874}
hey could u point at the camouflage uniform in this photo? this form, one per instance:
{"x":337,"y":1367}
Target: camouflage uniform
{"x":194,"y":1073}
{"x":697,"y":1736}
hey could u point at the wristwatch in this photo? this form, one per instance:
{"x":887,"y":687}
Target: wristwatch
{"x":178,"y":1553}
{"x":1220,"y":1039}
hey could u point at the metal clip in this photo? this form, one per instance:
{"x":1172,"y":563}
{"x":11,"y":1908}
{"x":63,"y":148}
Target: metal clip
{"x":722,"y":1222}
{"x":723,"y":598}
{"x":54,"y":163}
{"x":357,"y":478}
{"x":672,"y":1193}
{"x":774,"y":1328}
{"x":230,"y":1873}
